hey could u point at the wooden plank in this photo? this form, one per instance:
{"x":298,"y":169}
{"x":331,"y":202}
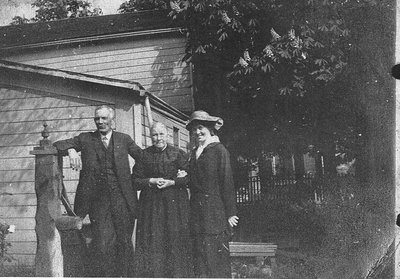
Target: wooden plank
{"x":10,"y":176}
{"x":46,"y":114}
{"x":140,"y":74}
{"x":18,"y":211}
{"x":146,"y":71}
{"x":45,"y":57}
{"x":183,"y":103}
{"x":184,"y":134}
{"x":26,"y":163}
{"x":22,"y":235}
{"x":39,"y":102}
{"x":255,"y":248}
{"x":253,"y":254}
{"x":259,"y":251}
{"x":33,"y":138}
{"x":26,"y":199}
{"x":112,"y":56}
{"x":137,"y":72}
{"x":137,"y":117}
{"x":18,"y":199}
{"x":70,"y":185}
{"x":16,"y":152}
{"x":21,"y":224}
{"x":80,"y":124}
{"x":23,"y":248}
{"x":70,"y":174}
{"x":22,"y":260}
{"x":7,"y":93}
{"x":166,"y":90}
{"x":83,"y":67}
{"x":80,"y":66}
{"x":165,"y":82}
{"x":17,"y":187}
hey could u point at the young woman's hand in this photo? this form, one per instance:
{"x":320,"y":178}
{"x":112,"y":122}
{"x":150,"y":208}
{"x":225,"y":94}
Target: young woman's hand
{"x":233,"y":221}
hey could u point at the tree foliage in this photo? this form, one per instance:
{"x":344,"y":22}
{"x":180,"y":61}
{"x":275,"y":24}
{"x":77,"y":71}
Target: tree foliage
{"x":290,"y":45}
{"x":280,"y":65}
{"x":47,"y":10}
{"x":140,"y":5}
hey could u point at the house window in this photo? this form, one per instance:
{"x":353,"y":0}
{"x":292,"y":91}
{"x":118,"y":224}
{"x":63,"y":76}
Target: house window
{"x":176,"y":137}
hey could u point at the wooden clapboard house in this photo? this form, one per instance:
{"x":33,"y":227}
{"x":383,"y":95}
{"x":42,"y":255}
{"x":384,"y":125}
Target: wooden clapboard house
{"x":58,"y":72}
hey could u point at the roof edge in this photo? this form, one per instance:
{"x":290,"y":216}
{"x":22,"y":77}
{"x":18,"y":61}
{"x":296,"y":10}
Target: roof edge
{"x":73,"y":29}
{"x":158,"y":104}
{"x":165,"y":107}
{"x":73,"y":76}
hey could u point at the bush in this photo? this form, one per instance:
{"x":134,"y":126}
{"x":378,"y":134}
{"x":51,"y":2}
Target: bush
{"x":5,"y":229}
{"x":4,"y":245}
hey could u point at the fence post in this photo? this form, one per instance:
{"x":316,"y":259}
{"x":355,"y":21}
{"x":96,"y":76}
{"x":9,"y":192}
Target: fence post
{"x":49,"y":258}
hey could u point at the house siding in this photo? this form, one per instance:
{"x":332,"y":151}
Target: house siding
{"x":22,"y":114}
{"x":170,"y":124}
{"x":154,"y":62}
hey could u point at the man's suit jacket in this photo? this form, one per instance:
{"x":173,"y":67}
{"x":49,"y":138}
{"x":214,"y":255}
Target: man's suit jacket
{"x":90,"y":144}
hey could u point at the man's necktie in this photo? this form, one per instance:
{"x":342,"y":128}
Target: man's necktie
{"x":104,"y":140}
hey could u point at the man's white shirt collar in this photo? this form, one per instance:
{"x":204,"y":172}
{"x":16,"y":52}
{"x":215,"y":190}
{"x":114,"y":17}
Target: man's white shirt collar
{"x":108,"y":136}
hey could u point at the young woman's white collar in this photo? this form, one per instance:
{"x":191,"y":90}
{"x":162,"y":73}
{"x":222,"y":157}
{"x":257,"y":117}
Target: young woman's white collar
{"x":201,"y":147}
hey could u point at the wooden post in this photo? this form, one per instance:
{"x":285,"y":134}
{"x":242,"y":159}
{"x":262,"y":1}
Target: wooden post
{"x":148,"y":108}
{"x":49,"y":258}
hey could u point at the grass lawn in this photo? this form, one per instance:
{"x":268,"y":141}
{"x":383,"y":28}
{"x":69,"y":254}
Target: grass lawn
{"x":343,"y":237}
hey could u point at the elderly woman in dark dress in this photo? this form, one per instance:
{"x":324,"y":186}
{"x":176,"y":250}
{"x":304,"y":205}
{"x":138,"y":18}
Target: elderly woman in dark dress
{"x":163,"y":245}
{"x":213,"y":207}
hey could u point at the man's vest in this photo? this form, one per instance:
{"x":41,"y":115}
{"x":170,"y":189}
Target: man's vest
{"x":108,"y":171}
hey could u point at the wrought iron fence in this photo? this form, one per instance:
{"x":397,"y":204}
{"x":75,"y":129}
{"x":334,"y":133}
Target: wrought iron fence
{"x":280,"y":189}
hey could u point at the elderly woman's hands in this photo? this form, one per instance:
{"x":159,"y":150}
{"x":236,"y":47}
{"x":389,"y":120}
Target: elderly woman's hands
{"x":155,"y":182}
{"x":233,"y":221}
{"x":166,"y":183}
{"x":160,"y":183}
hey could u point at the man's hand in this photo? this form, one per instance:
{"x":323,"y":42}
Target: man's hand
{"x":166,"y":183}
{"x":233,"y":221}
{"x":74,"y":159}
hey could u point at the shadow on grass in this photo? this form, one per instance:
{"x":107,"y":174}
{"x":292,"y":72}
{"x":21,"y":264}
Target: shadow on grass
{"x":342,"y":237}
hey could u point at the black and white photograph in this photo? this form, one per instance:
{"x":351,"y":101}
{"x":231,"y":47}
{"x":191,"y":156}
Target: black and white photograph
{"x":200,"y":139}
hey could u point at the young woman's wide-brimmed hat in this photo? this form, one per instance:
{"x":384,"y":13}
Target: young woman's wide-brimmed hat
{"x":202,"y":116}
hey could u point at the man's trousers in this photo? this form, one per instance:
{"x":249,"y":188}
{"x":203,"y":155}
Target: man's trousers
{"x":111,"y":252}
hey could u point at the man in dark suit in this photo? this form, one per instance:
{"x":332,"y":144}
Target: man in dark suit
{"x":105,"y":193}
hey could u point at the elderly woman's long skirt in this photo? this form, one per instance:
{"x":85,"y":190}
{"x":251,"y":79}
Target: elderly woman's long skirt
{"x":163,"y":245}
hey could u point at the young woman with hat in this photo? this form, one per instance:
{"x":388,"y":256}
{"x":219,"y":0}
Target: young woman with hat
{"x":213,"y":206}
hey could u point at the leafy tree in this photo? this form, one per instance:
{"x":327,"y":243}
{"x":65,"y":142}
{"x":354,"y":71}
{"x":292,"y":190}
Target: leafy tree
{"x":17,"y":20}
{"x":140,"y":5}
{"x":272,"y":65}
{"x":48,"y":10}
{"x":58,"y":9}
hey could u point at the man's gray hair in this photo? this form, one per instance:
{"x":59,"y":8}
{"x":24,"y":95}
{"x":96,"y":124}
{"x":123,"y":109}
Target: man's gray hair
{"x":110,"y":109}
